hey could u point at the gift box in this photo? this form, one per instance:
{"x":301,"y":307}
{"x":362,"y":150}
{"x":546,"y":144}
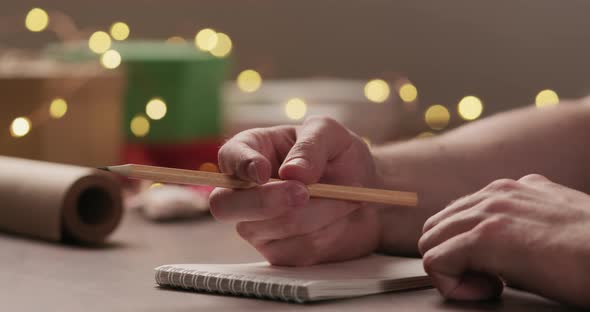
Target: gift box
{"x":89,"y":133}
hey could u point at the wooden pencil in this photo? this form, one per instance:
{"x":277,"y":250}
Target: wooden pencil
{"x":193,"y":177}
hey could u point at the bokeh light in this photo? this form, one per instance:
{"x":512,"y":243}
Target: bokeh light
{"x":408,"y":92}
{"x":223,"y":46}
{"x":249,"y":80}
{"x":546,"y":98}
{"x":295,"y":108}
{"x":36,"y":20}
{"x":437,"y":117}
{"x":99,"y":42}
{"x":425,"y":134}
{"x":120,"y":31}
{"x":140,"y":126}
{"x":206,"y":39}
{"x":156,"y":108}
{"x":58,"y":108}
{"x":470,"y":107}
{"x":377,"y":90}
{"x":20,"y":127}
{"x":209,"y":166}
{"x":111,"y":59}
{"x":156,"y":184}
{"x":176,"y":39}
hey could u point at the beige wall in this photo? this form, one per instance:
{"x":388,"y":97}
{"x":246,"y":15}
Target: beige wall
{"x":502,"y":51}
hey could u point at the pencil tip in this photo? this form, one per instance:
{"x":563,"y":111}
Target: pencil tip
{"x":103,"y":168}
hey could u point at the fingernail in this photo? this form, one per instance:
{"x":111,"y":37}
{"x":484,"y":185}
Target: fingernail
{"x":445,"y":284}
{"x":253,"y":173}
{"x":297,"y":195}
{"x":299,"y":162}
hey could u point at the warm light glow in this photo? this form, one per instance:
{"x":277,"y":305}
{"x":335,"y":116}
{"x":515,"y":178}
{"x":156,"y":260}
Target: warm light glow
{"x":377,"y":90}
{"x":58,"y":108}
{"x":156,"y":109}
{"x":408,"y":92}
{"x":36,"y":20}
{"x":249,"y":80}
{"x":111,"y":59}
{"x":223,"y":46}
{"x":20,"y":127}
{"x":120,"y":31}
{"x":140,"y":126}
{"x":546,"y":98}
{"x":99,"y":42}
{"x":295,"y":108}
{"x":175,"y":39}
{"x":425,"y":134}
{"x":206,"y":39}
{"x":437,"y":117}
{"x":470,"y":107}
{"x":367,"y":141}
{"x":209,"y":166}
{"x":157,"y":184}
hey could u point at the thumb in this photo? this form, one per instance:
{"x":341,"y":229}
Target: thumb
{"x":318,"y":141}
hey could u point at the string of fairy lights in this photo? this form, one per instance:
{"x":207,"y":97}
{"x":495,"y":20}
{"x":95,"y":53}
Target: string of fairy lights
{"x":436,"y":116}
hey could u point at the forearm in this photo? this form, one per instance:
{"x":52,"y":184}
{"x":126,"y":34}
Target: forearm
{"x":553,"y":142}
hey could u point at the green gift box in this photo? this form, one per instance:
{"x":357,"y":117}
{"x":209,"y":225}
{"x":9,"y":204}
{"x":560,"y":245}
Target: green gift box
{"x":186,"y":80}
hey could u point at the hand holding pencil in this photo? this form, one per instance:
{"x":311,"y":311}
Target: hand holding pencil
{"x":281,"y":218}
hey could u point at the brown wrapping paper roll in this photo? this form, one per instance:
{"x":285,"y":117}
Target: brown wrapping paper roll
{"x":58,"y":202}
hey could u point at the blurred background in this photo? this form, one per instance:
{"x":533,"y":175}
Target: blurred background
{"x":165,"y":82}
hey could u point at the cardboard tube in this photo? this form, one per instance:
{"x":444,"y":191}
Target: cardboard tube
{"x":58,"y":202}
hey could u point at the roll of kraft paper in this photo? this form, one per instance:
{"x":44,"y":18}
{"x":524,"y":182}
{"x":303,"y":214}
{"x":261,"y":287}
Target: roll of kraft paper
{"x":58,"y":202}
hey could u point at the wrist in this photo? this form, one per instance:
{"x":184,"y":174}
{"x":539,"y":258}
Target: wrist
{"x":383,"y":170}
{"x":407,"y":166}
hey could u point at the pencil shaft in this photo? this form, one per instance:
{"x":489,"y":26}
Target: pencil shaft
{"x":192,"y":177}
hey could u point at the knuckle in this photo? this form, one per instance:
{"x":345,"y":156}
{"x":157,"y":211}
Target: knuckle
{"x":422,"y":245}
{"x":491,"y":227}
{"x":496,"y":205}
{"x":247,"y":134}
{"x":256,"y":135}
{"x":533,"y":178}
{"x":503,"y":185}
{"x":430,"y":223}
{"x":430,"y":259}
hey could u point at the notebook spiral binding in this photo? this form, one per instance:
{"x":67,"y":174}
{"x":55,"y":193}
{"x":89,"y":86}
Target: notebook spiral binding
{"x":234,"y":284}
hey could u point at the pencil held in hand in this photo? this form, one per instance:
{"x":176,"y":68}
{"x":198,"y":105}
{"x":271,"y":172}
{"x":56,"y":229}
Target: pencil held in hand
{"x":193,"y":177}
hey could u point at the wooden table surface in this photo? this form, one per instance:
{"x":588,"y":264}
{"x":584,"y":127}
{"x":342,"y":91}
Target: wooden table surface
{"x":42,"y":276}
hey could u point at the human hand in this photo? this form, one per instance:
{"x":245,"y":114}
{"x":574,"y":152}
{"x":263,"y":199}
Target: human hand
{"x":278,"y":218}
{"x":532,"y":233}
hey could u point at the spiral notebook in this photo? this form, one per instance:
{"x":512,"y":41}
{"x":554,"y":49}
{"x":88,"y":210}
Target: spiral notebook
{"x":370,"y":275}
